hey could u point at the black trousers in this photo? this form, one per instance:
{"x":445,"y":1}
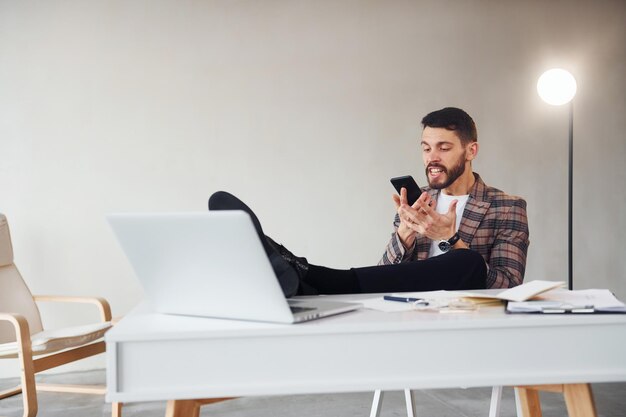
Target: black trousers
{"x":460,"y":269}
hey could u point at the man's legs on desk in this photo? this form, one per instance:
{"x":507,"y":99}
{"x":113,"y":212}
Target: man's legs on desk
{"x":456,"y":270}
{"x":460,"y":269}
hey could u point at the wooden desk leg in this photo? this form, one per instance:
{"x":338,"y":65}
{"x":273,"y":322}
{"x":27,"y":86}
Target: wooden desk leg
{"x":579,"y":400}
{"x":189,"y":408}
{"x":116,"y":410}
{"x":182,"y":408}
{"x":529,"y":399}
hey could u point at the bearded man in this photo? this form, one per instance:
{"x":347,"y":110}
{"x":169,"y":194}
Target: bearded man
{"x":457,"y":210}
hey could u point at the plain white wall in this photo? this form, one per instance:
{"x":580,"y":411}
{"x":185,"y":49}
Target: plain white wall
{"x":304,"y":109}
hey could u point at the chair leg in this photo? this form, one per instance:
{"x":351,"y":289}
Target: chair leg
{"x":377,"y":403}
{"x":11,"y":392}
{"x":27,"y":375}
{"x":409,"y":398}
{"x":78,"y":389}
{"x":29,"y":394}
{"x":29,"y":399}
{"x":496,"y":401}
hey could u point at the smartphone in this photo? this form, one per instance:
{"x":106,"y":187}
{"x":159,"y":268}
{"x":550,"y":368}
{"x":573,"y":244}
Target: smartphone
{"x":413,"y":190}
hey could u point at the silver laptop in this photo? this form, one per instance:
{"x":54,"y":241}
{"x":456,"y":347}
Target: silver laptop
{"x":210,"y":264}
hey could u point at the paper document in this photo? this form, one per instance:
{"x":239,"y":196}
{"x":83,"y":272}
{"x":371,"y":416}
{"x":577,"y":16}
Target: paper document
{"x":531,"y":297}
{"x":429,"y":301}
{"x":379,"y":304}
{"x":565,"y":301}
{"x":522,"y":292}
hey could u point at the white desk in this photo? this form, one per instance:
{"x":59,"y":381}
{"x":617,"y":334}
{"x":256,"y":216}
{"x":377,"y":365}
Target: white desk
{"x":160,"y":357}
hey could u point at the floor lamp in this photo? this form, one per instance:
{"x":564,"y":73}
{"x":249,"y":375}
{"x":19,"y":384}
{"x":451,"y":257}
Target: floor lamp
{"x":558,"y":87}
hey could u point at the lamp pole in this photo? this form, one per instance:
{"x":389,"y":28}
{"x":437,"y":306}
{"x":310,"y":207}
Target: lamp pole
{"x":558,"y":87}
{"x":570,"y":277}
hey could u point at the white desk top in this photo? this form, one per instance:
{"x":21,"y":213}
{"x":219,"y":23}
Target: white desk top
{"x":358,"y":351}
{"x":142,"y":324}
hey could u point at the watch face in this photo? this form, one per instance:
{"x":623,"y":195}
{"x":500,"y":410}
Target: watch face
{"x":444,"y":246}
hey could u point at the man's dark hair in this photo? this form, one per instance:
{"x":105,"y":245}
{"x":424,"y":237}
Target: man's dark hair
{"x":452,"y":118}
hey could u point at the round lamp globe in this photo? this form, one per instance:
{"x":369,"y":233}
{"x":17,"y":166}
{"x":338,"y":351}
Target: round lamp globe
{"x":556,"y":86}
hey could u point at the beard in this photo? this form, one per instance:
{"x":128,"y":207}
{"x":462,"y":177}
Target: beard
{"x":452,"y":174}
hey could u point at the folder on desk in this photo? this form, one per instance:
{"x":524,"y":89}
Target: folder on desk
{"x":522,"y":292}
{"x":565,"y":302}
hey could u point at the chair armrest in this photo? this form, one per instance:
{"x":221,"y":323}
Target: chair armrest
{"x":101,"y":303}
{"x":22,"y":331}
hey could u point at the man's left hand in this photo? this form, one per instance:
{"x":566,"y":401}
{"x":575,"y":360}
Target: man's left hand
{"x":434,"y":225}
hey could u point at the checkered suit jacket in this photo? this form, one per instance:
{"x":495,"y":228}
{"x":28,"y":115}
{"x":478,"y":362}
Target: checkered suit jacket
{"x":494,"y":224}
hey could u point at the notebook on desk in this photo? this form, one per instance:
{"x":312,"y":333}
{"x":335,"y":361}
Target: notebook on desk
{"x":210,"y":264}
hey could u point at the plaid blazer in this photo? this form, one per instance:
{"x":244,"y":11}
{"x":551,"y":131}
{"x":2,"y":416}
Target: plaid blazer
{"x":494,"y":224}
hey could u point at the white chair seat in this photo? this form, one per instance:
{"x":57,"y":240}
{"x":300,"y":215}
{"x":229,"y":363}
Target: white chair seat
{"x":49,"y":341}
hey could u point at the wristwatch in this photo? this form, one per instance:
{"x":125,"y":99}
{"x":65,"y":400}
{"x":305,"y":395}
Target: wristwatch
{"x":446,"y":245}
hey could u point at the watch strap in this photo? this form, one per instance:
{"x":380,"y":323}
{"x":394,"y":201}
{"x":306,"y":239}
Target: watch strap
{"x":452,"y":241}
{"x":446,"y":245}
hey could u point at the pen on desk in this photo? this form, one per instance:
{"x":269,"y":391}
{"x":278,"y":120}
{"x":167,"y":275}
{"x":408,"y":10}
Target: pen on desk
{"x":405,"y":299}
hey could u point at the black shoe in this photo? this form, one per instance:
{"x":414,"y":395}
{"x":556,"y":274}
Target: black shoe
{"x":286,"y":273}
{"x":300,"y":264}
{"x":221,"y":200}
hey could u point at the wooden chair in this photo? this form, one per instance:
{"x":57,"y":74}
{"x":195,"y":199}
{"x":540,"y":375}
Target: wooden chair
{"x":22,"y":335}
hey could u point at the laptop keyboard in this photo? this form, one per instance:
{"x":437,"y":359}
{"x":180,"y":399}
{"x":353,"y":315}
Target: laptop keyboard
{"x":300,"y":309}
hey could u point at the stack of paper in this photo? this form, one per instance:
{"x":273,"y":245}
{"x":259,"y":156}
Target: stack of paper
{"x":531,"y":297}
{"x":564,"y":301}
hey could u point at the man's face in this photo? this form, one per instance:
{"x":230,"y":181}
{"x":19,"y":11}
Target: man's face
{"x":445,"y":158}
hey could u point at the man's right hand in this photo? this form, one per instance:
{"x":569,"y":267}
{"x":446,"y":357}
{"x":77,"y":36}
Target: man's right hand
{"x":406,"y":230}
